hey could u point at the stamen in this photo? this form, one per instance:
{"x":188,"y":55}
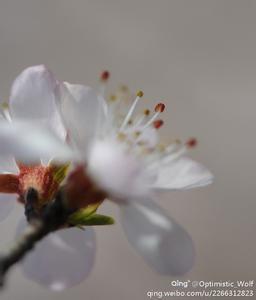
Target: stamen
{"x":131,"y":110}
{"x":124,"y":88}
{"x":140,"y":94}
{"x":121,"y":136}
{"x":161,"y":148}
{"x":112,"y":98}
{"x":159,"y":108}
{"x":137,"y":134}
{"x":4,"y":109}
{"x":191,"y":143}
{"x":141,"y":119}
{"x":104,"y":76}
{"x":172,"y":147}
{"x":174,"y":151}
{"x":168,"y":153}
{"x":103,"y":80}
{"x":146,"y":112}
{"x":158,"y":123}
{"x":5,"y":105}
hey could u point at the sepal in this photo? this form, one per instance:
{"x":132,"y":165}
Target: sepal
{"x":82,"y":218}
{"x":59,"y":171}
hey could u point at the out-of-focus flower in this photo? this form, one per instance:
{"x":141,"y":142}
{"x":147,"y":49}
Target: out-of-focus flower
{"x":30,"y":130}
{"x":118,"y":155}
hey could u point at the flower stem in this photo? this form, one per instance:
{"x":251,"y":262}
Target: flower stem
{"x":25,"y":243}
{"x":54,"y":216}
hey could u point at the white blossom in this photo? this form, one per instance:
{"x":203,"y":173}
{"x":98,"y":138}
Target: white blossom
{"x":121,"y":152}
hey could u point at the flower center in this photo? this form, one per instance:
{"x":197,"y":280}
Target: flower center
{"x":40,"y":178}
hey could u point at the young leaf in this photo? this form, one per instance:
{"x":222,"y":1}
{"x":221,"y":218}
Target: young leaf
{"x":59,"y":171}
{"x":82,"y":214}
{"x":93,"y":219}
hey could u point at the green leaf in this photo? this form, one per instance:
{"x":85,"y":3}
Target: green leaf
{"x":91,"y":220}
{"x":82,"y":214}
{"x":59,"y":171}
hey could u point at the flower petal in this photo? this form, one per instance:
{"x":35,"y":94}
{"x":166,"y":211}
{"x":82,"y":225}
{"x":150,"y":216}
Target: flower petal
{"x":8,"y":164}
{"x":82,"y":112}
{"x":164,"y":244}
{"x":7,"y":202}
{"x":183,"y":173}
{"x":62,"y":259}
{"x":117,"y":171}
{"x":28,"y":142}
{"x":34,"y":95}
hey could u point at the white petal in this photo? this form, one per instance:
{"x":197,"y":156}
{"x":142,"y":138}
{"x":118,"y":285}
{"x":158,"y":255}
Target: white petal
{"x":7,"y":202}
{"x":183,"y":173}
{"x":62,"y":259}
{"x":164,"y":244}
{"x":8,"y":164}
{"x":117,"y":171}
{"x":34,"y":95}
{"x":82,"y":112}
{"x":28,"y":142}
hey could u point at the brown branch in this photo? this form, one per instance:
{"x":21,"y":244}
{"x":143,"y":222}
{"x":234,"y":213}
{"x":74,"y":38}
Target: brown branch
{"x":54,"y":216}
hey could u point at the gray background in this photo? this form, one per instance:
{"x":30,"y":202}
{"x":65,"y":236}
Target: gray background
{"x":197,"y":55}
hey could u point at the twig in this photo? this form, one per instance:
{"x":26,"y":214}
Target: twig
{"x":53,"y":217}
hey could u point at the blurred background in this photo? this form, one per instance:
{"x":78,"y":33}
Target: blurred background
{"x":199,"y":56}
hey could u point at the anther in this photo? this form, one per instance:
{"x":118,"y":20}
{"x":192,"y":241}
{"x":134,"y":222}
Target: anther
{"x":158,"y":123}
{"x":137,"y":134}
{"x":191,"y":143}
{"x":161,"y":147}
{"x":112,"y":98}
{"x":146,"y":113}
{"x":159,"y":107}
{"x":5,"y":105}
{"x":124,"y":88}
{"x":104,"y":75}
{"x":177,"y":141}
{"x":140,"y":94}
{"x":121,"y":136}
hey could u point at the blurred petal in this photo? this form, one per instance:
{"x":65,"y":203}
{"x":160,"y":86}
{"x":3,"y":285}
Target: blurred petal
{"x":183,"y":173}
{"x":164,"y":244}
{"x":8,"y":164}
{"x":82,"y":110}
{"x":117,"y":171}
{"x":34,"y":95}
{"x":62,"y":259}
{"x":28,"y":142}
{"x":7,"y":202}
{"x":9,"y":183}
